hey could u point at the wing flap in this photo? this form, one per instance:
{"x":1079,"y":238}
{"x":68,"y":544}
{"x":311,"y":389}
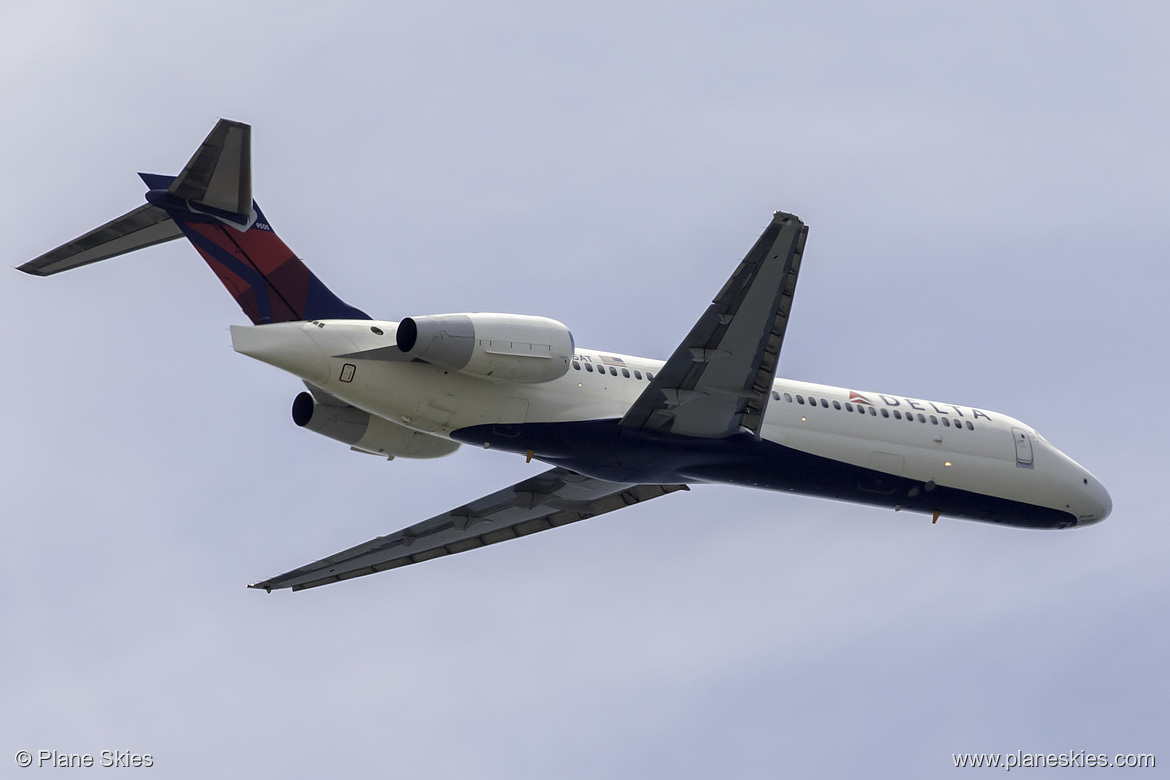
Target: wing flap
{"x":549,"y":500}
{"x":717,"y":382}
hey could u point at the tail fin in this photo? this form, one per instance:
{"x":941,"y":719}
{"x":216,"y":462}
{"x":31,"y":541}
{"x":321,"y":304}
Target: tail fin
{"x":211,"y":204}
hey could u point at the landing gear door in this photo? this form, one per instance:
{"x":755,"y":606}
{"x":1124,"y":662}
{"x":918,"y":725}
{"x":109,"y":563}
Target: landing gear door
{"x":1023,"y":447}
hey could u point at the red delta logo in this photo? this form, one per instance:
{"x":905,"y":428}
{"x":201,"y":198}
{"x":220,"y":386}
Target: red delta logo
{"x":858,"y":398}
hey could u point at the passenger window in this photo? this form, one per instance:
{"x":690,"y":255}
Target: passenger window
{"x":897,"y":415}
{"x":576,"y":366}
{"x":775,"y":396}
{"x":788,"y":397}
{"x":946,"y":423}
{"x":970,"y":427}
{"x":836,"y":404}
{"x":637,"y":374}
{"x":824,"y":403}
{"x":626,"y":373}
{"x":872,"y":412}
{"x":800,"y":399}
{"x":649,"y":376}
{"x":885,"y":413}
{"x":921,"y":417}
{"x":812,"y":401}
{"x":848,"y":407}
{"x":613,"y":371}
{"x":589,"y":367}
{"x":933,"y":420}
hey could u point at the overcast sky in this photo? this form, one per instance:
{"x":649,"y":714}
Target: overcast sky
{"x":986,"y":190}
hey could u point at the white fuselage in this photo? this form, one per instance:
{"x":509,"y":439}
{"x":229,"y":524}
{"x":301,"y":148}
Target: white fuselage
{"x":926,"y":442}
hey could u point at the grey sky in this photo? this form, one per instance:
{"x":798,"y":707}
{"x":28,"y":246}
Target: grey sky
{"x":986,"y":194}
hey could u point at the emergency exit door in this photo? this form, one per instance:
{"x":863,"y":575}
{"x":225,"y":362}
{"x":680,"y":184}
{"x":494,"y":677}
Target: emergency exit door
{"x":1023,"y":447}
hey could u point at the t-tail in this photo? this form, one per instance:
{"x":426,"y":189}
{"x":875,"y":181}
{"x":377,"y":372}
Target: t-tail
{"x":211,"y":204}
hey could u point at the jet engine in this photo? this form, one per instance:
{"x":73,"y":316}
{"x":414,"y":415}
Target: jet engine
{"x":365,"y":432}
{"x":510,"y":347}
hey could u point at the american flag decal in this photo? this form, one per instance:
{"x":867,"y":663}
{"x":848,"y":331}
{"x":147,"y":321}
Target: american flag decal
{"x":612,"y":361}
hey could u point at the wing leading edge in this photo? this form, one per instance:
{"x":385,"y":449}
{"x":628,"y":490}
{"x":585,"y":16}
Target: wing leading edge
{"x":717,"y":382}
{"x":555,"y":498}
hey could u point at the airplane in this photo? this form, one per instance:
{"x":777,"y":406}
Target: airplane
{"x":616,"y":429}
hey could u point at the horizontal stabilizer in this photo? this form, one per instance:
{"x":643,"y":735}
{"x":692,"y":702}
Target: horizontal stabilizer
{"x":144,"y":226}
{"x":219,"y":175}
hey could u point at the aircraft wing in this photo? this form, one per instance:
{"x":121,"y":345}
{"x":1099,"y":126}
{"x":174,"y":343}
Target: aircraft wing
{"x":718,"y":381}
{"x":555,"y":498}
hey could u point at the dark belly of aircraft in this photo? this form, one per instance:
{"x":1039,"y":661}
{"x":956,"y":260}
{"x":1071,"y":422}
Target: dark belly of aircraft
{"x":602,"y":450}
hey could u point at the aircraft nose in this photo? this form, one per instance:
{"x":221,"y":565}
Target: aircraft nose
{"x":285,"y":345}
{"x":1098,"y":503}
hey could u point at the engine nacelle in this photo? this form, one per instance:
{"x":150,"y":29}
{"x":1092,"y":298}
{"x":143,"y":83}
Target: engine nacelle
{"x":510,"y":347}
{"x":366,"y":432}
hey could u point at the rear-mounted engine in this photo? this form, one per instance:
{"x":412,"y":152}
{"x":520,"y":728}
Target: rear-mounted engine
{"x":510,"y":347}
{"x":365,"y":432}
